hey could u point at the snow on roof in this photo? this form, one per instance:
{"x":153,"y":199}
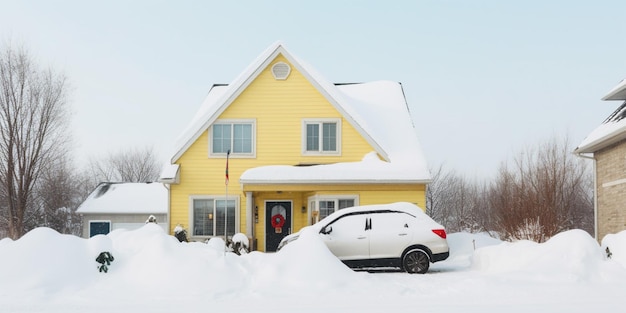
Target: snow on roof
{"x":380,"y":109}
{"x":612,"y":130}
{"x":377,"y":110}
{"x":126,"y":198}
{"x":617,"y":93}
{"x":169,"y":173}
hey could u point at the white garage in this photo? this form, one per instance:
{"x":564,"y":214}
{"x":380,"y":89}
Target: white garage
{"x":114,"y":206}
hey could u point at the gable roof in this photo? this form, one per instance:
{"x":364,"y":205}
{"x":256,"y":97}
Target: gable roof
{"x":612,"y":129}
{"x":126,"y":198}
{"x":221,"y":96}
{"x":377,"y":110}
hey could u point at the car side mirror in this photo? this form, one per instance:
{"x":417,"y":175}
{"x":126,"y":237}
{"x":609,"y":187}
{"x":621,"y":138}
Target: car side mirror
{"x":326,"y":230}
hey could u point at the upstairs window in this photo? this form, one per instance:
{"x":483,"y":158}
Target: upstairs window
{"x":321,"y":137}
{"x":236,"y":136}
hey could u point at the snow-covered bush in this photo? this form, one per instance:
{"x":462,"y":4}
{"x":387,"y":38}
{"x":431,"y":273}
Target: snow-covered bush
{"x":151,"y":219}
{"x":240,"y":244}
{"x":180,"y":233}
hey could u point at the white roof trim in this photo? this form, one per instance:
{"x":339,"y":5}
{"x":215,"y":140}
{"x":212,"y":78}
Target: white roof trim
{"x":328,"y":90}
{"x":610,"y":133}
{"x":617,"y":93}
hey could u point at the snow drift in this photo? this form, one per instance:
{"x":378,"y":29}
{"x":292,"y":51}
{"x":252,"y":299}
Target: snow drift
{"x":48,"y":272}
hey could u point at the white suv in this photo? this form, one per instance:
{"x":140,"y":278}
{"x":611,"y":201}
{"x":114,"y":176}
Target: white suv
{"x":391,"y":235}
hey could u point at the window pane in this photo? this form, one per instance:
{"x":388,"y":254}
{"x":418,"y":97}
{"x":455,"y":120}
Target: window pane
{"x":99,"y":228}
{"x":220,"y":204}
{"x":242,"y":139}
{"x":326,"y":208}
{"x":312,"y":137}
{"x":346,"y":203}
{"x":221,"y":138}
{"x":329,"y":137}
{"x":203,"y":216}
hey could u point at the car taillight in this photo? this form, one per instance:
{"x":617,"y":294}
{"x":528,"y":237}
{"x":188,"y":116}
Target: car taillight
{"x":440,"y":232}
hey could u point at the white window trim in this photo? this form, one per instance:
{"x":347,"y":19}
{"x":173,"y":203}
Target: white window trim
{"x":232,"y":154}
{"x":317,"y":198}
{"x":320,"y":121}
{"x":212,"y":197}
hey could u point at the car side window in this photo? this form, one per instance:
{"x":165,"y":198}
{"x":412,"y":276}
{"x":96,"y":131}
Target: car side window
{"x":390,"y":221}
{"x":348,"y":225}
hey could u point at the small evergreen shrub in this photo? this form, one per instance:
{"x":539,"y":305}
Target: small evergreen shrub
{"x":104,"y":258}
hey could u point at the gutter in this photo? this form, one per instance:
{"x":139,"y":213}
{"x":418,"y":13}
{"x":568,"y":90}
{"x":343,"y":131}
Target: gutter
{"x":332,"y":182}
{"x":595,"y":191}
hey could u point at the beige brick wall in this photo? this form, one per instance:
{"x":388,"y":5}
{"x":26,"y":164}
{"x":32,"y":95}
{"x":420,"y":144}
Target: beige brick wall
{"x":611,"y":184}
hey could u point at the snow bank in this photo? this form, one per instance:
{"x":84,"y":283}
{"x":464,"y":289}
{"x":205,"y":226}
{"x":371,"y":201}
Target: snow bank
{"x":617,"y":246}
{"x":305,"y":264}
{"x":45,"y":260}
{"x":569,"y":256}
{"x":153,"y":270}
{"x":153,"y":263}
{"x":462,"y":247}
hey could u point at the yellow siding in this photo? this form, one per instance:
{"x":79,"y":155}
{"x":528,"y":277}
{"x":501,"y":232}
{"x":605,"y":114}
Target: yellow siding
{"x":380,"y":197}
{"x":278,"y":108}
{"x":367,"y":194}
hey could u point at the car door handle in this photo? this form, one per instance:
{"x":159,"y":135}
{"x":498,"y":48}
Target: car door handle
{"x":361,"y":237}
{"x":402,"y":234}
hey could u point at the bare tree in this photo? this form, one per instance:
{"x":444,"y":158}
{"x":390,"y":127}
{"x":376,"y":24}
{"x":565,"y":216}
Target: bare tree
{"x":455,"y":202}
{"x":134,"y":165}
{"x":59,"y":193}
{"x":545,"y":192}
{"x":435,"y":193}
{"x":32,"y":132}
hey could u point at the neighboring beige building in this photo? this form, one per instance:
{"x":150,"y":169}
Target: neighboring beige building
{"x":114,"y":206}
{"x":606,"y":146}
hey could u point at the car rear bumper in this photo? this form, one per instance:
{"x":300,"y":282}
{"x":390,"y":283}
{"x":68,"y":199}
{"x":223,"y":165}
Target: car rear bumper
{"x":440,"y":257}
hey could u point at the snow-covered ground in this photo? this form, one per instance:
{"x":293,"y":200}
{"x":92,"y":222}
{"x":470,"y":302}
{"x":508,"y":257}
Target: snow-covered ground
{"x":152,"y":272}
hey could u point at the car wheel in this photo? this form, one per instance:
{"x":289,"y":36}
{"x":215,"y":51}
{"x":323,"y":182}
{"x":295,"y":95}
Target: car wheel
{"x":416,"y":261}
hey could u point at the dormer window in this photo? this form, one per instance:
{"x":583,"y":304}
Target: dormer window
{"x":321,"y":137}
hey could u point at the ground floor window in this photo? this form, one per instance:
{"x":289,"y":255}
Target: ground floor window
{"x":327,"y":206}
{"x":99,"y":228}
{"x":209,"y":218}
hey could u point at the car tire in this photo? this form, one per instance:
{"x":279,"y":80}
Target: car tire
{"x":416,"y":262}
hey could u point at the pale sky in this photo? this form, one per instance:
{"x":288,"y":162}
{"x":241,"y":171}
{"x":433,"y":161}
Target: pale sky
{"x":483,"y":79}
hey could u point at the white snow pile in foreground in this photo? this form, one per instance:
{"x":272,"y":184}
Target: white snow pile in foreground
{"x":569,"y":256}
{"x":48,"y":272}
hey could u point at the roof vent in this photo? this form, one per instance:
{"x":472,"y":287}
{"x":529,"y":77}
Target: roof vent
{"x":281,"y":70}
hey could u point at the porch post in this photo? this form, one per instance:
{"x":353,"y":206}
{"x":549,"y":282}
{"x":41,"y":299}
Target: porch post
{"x":249,"y":215}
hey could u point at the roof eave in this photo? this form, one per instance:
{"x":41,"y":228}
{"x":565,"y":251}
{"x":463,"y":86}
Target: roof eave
{"x":617,"y":93}
{"x":242,"y":82}
{"x":335,"y":182}
{"x":602,"y":142}
{"x":237,"y":87}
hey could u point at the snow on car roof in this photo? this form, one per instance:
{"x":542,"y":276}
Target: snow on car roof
{"x":404,"y":207}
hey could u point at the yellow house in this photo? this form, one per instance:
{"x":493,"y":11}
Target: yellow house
{"x":294,"y":148}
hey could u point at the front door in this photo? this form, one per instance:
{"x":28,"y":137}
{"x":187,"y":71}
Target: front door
{"x":277,"y":223}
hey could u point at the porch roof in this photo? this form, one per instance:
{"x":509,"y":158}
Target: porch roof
{"x":370,"y":170}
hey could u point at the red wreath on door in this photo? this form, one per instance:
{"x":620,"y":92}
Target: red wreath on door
{"x":278,"y":220}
